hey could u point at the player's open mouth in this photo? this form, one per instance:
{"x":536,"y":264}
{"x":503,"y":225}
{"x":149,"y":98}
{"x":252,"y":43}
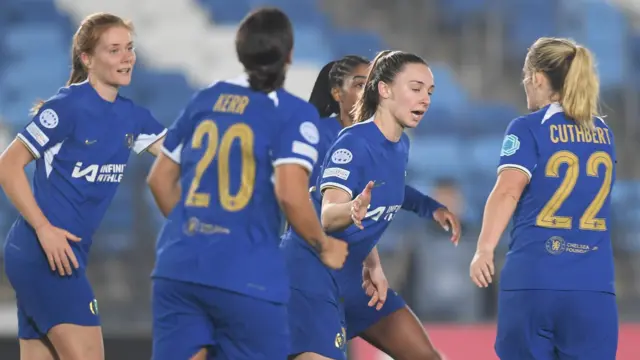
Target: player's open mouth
{"x":417,"y":114}
{"x":124,"y":71}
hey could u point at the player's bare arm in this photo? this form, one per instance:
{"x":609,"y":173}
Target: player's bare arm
{"x":339,"y":211}
{"x":163,"y":180}
{"x":291,"y":191}
{"x":500,"y":206}
{"x":16,"y":185}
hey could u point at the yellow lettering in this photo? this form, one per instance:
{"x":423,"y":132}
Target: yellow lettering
{"x":587,"y":136}
{"x":601,"y":139}
{"x":579,"y":134}
{"x":572,"y":137}
{"x":563,"y":134}
{"x":606,"y":131}
{"x":235,"y":104}
{"x":552,"y":130}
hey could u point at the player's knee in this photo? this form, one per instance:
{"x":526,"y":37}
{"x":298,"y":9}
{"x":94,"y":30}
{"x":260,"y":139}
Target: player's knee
{"x":75,"y":342}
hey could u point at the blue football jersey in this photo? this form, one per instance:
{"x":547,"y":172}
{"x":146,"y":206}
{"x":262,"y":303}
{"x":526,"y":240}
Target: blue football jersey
{"x":81,"y":144}
{"x":329,"y":128}
{"x":224,"y":231}
{"x":359,"y":155}
{"x":561,"y":236}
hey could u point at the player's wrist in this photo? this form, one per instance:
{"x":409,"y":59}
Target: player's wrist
{"x":41,"y":225}
{"x":485,"y":249}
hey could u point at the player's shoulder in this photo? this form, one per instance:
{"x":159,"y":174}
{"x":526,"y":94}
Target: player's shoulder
{"x":350,"y":137}
{"x":358,"y":129}
{"x":67,"y":97}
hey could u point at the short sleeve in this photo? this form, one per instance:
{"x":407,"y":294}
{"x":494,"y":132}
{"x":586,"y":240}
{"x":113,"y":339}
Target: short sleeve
{"x":53,"y":123}
{"x":150,"y":131}
{"x":177,"y":134}
{"x":341,"y":168}
{"x":519,"y":149}
{"x":298,"y":139}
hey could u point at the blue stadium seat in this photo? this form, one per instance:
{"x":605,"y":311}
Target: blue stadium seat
{"x":528,"y":20}
{"x":311,"y":45}
{"x":606,"y":35}
{"x":482,"y":154}
{"x":487,"y":117}
{"x":226,"y":12}
{"x":456,"y":12}
{"x":301,"y":12}
{"x":448,"y":91}
{"x":39,"y":39}
{"x":436,"y":156}
{"x":356,"y":42}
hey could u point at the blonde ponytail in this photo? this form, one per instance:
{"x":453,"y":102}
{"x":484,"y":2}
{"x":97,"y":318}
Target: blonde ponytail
{"x":581,"y":90}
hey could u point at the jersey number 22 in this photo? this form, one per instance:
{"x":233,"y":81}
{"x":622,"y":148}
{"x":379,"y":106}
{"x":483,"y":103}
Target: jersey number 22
{"x":588,"y":221}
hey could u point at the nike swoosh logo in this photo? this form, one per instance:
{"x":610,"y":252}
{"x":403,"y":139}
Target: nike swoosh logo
{"x":90,"y":142}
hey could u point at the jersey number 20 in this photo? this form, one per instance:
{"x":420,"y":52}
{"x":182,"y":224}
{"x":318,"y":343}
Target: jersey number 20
{"x":588,"y":221}
{"x":222,"y":148}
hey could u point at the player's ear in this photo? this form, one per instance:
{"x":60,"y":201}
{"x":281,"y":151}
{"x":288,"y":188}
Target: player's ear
{"x":538,"y":79}
{"x":86,"y":60}
{"x":384,"y":90}
{"x":290,"y":57}
{"x":335,"y":94}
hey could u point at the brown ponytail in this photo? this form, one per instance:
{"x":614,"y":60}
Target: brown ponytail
{"x":367,"y":103}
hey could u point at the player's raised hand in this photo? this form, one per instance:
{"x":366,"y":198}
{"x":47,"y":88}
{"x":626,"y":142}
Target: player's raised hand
{"x":375,"y":284}
{"x":482,"y":269}
{"x":55,"y":243}
{"x":449,"y":221}
{"x":360,"y":204}
{"x":334,"y":252}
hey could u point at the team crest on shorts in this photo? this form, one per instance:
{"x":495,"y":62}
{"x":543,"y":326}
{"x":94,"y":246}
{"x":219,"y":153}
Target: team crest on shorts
{"x":341,"y":339}
{"x":129,"y":140}
{"x":93,"y":306}
{"x":555,"y":245}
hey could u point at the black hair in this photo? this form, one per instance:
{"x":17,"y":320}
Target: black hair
{"x":385,"y":67}
{"x":331,"y":76}
{"x":263,"y":43}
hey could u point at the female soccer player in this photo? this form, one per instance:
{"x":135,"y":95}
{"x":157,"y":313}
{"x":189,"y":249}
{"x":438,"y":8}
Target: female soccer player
{"x":81,"y":140}
{"x":393,"y":328}
{"x":359,"y":191}
{"x":557,"y":169}
{"x":220,"y":285}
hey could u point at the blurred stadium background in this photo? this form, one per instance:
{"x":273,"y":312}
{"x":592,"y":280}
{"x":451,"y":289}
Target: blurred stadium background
{"x":476,"y":49}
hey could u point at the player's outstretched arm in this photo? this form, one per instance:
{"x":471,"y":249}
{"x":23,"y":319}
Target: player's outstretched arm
{"x":164,"y":182}
{"x":291,"y":182}
{"x":426,"y":207}
{"x":339,"y":211}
